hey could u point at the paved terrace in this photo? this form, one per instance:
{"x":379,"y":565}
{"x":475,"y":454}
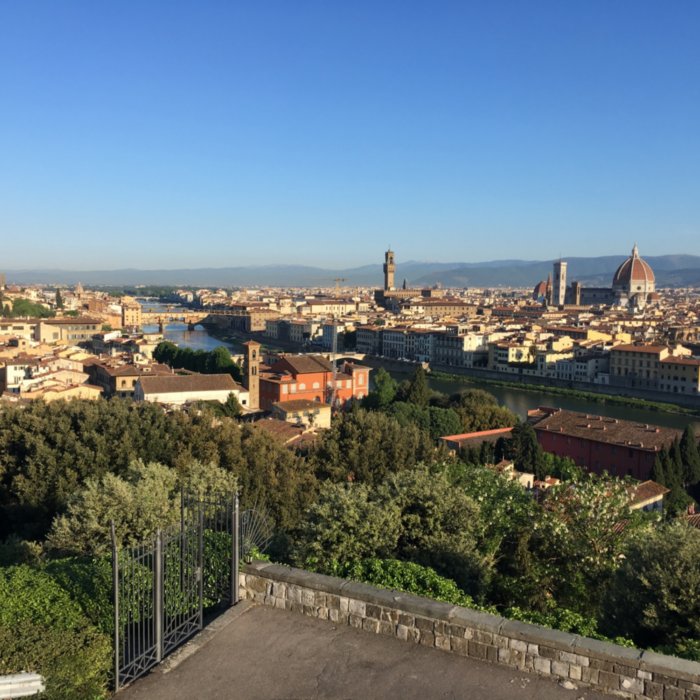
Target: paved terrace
{"x":262,"y":653}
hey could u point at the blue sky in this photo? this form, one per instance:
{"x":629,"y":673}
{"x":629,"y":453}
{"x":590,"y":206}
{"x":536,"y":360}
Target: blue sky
{"x":190,"y":134}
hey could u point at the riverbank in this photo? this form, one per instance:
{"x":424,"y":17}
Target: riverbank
{"x":594,"y":396}
{"x":237,"y":338}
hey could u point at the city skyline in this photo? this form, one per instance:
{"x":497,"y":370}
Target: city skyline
{"x":182,"y":137}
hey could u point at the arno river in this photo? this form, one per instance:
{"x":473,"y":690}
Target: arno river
{"x":517,"y":400}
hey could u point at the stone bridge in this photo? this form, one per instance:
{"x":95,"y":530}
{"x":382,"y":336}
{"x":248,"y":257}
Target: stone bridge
{"x":162,"y":318}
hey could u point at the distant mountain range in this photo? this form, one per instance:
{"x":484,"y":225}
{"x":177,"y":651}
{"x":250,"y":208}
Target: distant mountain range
{"x":670,"y":270}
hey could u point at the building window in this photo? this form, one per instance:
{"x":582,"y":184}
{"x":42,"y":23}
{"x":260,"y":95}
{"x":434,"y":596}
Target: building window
{"x":302,"y":386}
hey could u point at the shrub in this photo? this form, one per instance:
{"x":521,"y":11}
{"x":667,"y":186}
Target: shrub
{"x":88,"y":581}
{"x":654,"y":596}
{"x":408,"y":577}
{"x":43,"y":631}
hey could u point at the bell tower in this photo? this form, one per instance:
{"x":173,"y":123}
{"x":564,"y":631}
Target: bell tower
{"x":389,"y":269}
{"x":251,"y":377}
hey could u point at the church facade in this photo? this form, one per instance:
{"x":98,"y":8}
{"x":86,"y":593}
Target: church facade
{"x":633,"y":286}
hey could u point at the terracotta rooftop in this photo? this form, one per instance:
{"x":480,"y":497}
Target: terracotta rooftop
{"x":81,"y":320}
{"x":693,"y":520}
{"x":130,"y":370}
{"x":478,"y":434}
{"x":613,"y":431}
{"x":647,"y":491}
{"x":650,"y":349}
{"x":175,"y":383}
{"x":300,"y":405}
{"x":302,"y":364}
{"x":279,"y":429}
{"x":690,"y":361}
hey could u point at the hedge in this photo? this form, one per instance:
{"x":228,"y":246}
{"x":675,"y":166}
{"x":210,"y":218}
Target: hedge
{"x":43,"y":630}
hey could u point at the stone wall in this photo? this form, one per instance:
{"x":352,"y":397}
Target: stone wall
{"x":464,"y":632}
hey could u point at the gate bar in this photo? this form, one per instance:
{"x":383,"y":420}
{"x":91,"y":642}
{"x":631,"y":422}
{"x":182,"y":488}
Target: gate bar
{"x":200,"y":565}
{"x":158,"y":596}
{"x":235,"y":525}
{"x":115,"y":587}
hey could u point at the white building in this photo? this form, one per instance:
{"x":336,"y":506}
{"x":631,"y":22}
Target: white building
{"x":177,"y":389}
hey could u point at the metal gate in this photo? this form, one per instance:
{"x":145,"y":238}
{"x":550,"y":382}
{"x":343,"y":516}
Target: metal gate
{"x":162,"y":586}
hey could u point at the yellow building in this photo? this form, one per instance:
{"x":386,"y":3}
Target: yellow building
{"x":131,"y":313}
{"x":303,"y":412}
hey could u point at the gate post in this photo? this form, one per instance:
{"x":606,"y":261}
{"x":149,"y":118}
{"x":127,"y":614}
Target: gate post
{"x":158,"y":596}
{"x":235,"y":550}
{"x":115,"y":592}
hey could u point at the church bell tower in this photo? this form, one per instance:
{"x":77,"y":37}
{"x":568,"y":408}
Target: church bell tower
{"x":251,"y":377}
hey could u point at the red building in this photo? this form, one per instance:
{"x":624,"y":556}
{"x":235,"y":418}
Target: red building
{"x":311,"y":377}
{"x":620,"y":447}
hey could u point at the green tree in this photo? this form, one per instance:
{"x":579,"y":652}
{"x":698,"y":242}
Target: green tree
{"x":367,"y":446}
{"x":479,"y":410}
{"x":581,"y":534}
{"x":677,"y":501}
{"x":409,"y":414}
{"x":24,"y":308}
{"x":347,"y":524}
{"x":384,"y":392}
{"x":218,"y":361}
{"x":658,"y":472}
{"x":59,"y":299}
{"x":690,"y":457}
{"x":139,"y":504}
{"x":438,"y":524}
{"x":443,"y":421}
{"x":165,"y":353}
{"x":146,"y":499}
{"x":274,"y":478}
{"x":527,"y":453}
{"x":418,"y":392}
{"x":231,"y":407}
{"x":506,"y":516}
{"x":654,"y":597}
{"x":563,"y":468}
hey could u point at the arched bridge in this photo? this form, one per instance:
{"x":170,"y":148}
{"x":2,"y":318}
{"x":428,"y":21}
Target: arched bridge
{"x":162,"y":318}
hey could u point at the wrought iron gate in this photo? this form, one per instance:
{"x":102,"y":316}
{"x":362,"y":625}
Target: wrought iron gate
{"x":162,"y":585}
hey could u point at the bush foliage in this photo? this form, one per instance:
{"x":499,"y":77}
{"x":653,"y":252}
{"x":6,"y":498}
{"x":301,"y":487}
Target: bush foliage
{"x":43,"y":630}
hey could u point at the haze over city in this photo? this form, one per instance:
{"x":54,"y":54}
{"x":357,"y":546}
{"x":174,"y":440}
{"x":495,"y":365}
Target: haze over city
{"x":206,"y":135}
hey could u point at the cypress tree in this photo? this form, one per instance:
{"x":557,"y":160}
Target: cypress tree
{"x":671,"y":468}
{"x":418,"y":391}
{"x":657,"y":472}
{"x":690,"y":457}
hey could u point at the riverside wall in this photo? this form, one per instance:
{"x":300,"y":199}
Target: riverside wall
{"x":622,"y":671}
{"x":488,"y":375}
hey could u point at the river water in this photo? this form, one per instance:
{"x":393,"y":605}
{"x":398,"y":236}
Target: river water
{"x":519,"y":401}
{"x":177,"y":333}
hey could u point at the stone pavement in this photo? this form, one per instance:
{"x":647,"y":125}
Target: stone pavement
{"x":260,"y":653}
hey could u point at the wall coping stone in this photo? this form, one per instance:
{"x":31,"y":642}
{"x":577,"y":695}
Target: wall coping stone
{"x":536,"y":634}
{"x":476,"y":619}
{"x":671,"y":666}
{"x":607,"y":651}
{"x":299,"y":577}
{"x":372,"y":594}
